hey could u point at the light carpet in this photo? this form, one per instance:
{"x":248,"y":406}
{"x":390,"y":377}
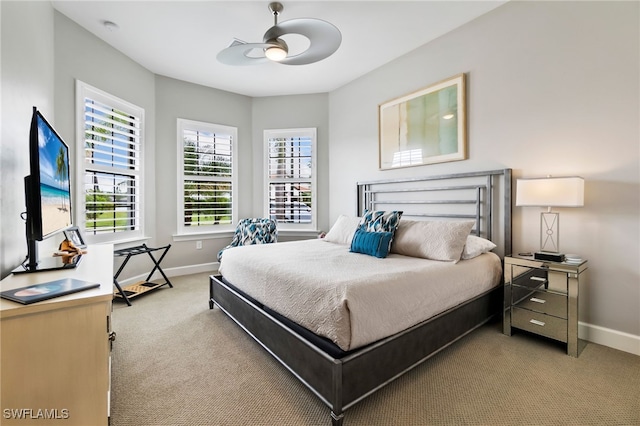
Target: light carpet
{"x":176,"y":362}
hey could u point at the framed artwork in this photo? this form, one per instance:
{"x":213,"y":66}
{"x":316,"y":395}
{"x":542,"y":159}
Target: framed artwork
{"x":424,"y":127}
{"x":73,"y":234}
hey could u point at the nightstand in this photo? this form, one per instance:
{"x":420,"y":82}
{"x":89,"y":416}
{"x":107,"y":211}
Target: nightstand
{"x":541,"y":297}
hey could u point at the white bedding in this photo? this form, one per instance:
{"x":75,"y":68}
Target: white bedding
{"x":354,"y":299}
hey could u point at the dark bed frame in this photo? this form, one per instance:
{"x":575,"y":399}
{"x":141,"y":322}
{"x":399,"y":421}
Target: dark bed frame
{"x":342,"y":380}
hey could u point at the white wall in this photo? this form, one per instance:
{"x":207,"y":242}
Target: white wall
{"x":552,"y":89}
{"x":27,"y":80}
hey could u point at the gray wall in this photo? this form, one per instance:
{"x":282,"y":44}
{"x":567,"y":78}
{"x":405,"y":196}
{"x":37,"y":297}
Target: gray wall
{"x":552,"y":89}
{"x":179,"y":99}
{"x":165,"y":100}
{"x":27,"y":69}
{"x":79,"y":55}
{"x":282,"y":112}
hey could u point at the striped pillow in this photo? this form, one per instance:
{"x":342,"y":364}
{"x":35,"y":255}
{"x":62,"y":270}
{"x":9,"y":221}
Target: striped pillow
{"x":372,"y":243}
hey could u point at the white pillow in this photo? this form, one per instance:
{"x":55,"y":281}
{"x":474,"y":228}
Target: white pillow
{"x":342,"y":231}
{"x":475,"y":246}
{"x":436,"y":240}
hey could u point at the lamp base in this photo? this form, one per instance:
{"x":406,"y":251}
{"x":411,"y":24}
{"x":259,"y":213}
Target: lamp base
{"x":545,"y":255}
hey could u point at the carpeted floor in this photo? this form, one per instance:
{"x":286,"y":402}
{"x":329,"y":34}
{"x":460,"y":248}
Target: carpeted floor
{"x":175,"y":362}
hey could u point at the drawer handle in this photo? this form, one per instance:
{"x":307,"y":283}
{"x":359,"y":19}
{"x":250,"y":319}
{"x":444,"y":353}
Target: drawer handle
{"x":536,"y":322}
{"x":535,"y":299}
{"x":539,"y":279}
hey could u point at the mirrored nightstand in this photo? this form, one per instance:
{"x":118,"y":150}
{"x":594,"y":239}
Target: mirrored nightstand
{"x":541,"y":297}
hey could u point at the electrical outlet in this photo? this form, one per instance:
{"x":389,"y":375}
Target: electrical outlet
{"x":198,"y":245}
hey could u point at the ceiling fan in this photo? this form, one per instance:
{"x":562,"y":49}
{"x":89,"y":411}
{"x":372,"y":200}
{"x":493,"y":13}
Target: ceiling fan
{"x":324,"y":39}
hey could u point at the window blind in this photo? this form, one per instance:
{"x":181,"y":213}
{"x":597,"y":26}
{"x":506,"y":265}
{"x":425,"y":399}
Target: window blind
{"x":291,"y":175}
{"x":207,"y":170}
{"x":112,"y":168}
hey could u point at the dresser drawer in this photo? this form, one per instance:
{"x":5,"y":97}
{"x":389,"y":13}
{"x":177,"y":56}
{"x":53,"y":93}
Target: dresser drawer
{"x":540,"y":301}
{"x":545,"y":325}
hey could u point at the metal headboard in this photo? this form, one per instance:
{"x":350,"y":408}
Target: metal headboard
{"x":484,"y":197}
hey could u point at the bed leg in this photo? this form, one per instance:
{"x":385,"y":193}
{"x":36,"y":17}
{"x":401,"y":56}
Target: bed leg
{"x":336,"y":419}
{"x":211,"y":300}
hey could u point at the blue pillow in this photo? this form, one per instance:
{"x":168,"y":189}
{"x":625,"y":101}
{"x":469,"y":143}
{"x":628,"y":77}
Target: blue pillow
{"x":372,"y":243}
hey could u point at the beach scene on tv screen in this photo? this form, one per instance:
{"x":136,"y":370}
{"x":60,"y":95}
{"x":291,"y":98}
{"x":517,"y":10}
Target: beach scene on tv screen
{"x":54,"y":181}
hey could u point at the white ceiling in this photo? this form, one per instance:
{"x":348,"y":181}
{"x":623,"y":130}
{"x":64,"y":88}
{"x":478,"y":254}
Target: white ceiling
{"x":180,"y":39}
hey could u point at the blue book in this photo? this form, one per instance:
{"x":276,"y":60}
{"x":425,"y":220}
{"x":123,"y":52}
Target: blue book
{"x":39,"y":292}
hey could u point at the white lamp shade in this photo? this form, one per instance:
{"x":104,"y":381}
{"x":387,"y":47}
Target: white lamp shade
{"x":550,"y":192}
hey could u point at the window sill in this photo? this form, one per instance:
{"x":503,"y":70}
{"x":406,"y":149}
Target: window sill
{"x":298,"y":232}
{"x":122,"y":243}
{"x":229,"y":234}
{"x":203,"y":236}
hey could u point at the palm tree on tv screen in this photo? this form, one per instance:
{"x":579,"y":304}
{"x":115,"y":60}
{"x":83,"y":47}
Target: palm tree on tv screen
{"x":62,"y":172}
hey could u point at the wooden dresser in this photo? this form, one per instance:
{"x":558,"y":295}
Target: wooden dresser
{"x":55,"y":354}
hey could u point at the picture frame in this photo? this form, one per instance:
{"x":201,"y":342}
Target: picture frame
{"x":73,"y":234}
{"x":424,"y":127}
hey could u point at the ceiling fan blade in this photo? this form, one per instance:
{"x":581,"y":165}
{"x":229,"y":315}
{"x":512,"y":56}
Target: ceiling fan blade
{"x":237,"y":53}
{"x":324,"y":39}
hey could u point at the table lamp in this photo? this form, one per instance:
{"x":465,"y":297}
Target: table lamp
{"x":550,"y":192}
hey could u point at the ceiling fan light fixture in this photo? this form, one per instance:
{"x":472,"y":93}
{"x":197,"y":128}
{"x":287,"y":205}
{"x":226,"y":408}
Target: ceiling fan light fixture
{"x":324,"y":39}
{"x":278,"y":51}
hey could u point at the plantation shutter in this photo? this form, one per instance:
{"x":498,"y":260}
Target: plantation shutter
{"x":291,"y":176}
{"x":207,"y":170}
{"x":112,"y":169}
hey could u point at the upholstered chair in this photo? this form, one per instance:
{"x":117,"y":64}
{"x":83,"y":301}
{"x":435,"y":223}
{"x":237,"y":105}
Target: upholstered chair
{"x":253,"y":231}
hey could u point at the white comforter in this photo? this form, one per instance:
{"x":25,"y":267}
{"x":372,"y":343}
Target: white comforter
{"x":354,"y":299}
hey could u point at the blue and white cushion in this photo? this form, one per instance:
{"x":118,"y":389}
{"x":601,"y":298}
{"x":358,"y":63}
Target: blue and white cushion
{"x":380,"y":221}
{"x":253,"y":231}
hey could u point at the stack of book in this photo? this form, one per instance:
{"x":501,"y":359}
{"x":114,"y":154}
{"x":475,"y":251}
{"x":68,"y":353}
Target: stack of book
{"x":573,"y":259}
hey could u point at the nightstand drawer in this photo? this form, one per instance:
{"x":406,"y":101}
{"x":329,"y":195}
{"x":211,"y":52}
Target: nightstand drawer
{"x":542,"y":324}
{"x":540,"y":301}
{"x":529,"y":277}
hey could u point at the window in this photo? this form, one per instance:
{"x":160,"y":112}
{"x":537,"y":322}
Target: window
{"x":109,"y":159}
{"x":207,"y":184}
{"x":291,"y":177}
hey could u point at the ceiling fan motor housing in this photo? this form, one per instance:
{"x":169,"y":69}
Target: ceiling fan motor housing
{"x":324,"y":39}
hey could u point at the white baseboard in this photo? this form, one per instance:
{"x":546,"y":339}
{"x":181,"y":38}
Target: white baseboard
{"x":192,"y":269}
{"x":607,"y":337}
{"x":175,"y":272}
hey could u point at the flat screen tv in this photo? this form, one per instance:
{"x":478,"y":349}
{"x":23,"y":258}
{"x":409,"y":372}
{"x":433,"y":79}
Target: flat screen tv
{"x":47,"y":194}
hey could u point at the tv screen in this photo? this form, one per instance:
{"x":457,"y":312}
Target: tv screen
{"x":47,"y":195}
{"x":55,"y":192}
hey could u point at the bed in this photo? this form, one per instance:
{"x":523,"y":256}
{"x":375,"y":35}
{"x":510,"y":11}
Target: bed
{"x":339,"y":359}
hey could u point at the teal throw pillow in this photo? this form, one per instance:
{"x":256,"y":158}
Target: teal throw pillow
{"x":372,"y":243}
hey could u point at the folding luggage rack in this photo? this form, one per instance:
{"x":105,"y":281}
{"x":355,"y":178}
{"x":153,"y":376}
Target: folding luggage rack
{"x":133,"y":290}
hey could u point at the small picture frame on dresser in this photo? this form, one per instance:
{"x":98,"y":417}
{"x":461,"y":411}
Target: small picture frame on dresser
{"x":73,"y":234}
